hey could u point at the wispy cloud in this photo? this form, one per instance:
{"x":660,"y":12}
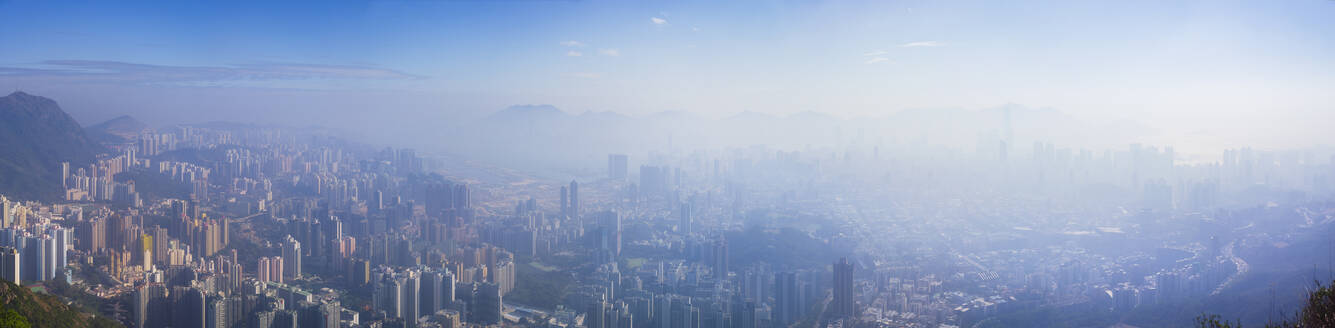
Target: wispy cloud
{"x":878,"y":60}
{"x":875,"y":53}
{"x":695,"y":29}
{"x":572,"y":43}
{"x":921,"y":44}
{"x":658,"y":21}
{"x":573,"y":53}
{"x":135,"y":73}
{"x":609,"y":52}
{"x":586,"y":75}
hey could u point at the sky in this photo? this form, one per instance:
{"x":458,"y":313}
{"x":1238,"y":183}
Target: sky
{"x":1199,"y":74}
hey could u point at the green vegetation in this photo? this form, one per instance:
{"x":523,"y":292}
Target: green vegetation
{"x":39,"y":310}
{"x":12,"y":319}
{"x":1215,"y":321}
{"x":542,"y":267}
{"x":539,"y":288}
{"x":635,"y":263}
{"x":79,"y":297}
{"x":1317,"y":311}
{"x":784,"y":249}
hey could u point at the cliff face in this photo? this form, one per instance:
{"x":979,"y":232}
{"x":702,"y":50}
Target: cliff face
{"x":35,"y":136}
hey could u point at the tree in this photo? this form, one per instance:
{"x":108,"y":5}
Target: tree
{"x":1318,"y":312}
{"x":1320,"y":308}
{"x":12,"y":319}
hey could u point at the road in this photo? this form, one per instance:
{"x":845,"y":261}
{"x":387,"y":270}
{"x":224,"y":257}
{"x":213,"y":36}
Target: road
{"x":1237,"y":261}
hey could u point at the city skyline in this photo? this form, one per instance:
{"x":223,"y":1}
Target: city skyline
{"x":590,"y":164}
{"x":1195,"y":74}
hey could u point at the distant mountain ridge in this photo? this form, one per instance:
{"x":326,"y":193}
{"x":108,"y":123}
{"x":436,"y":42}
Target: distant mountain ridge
{"x":542,"y":136}
{"x":527,"y":113}
{"x":117,"y":130}
{"x":35,"y":136}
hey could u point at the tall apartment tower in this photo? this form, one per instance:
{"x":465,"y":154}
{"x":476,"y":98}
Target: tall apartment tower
{"x":6,"y":215}
{"x":616,"y":166}
{"x":262,"y":269}
{"x":788,"y":299}
{"x":291,"y":258}
{"x":574,"y":198}
{"x":719,"y":260}
{"x":609,"y":233}
{"x":10,"y":262}
{"x":843,"y":289}
{"x":276,"y":269}
{"x":565,"y":201}
{"x":686,"y":219}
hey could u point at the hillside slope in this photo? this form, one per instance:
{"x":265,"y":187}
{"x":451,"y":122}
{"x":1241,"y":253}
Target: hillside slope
{"x":35,"y":136}
{"x":46,"y":310}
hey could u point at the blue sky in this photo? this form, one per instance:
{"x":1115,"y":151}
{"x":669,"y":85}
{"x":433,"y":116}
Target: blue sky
{"x":1191,"y":69}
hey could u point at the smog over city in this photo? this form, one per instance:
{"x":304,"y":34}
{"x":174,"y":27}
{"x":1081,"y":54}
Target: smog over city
{"x":652,"y":164}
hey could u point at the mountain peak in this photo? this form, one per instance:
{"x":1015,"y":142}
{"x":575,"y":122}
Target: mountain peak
{"x":528,"y":112}
{"x":531,"y":109}
{"x":117,"y":130}
{"x":122,"y":118}
{"x":24,"y":98}
{"x":123,"y":122}
{"x":35,"y":137}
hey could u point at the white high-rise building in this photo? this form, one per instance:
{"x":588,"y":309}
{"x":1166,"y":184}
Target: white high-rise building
{"x":291,"y":258}
{"x":62,"y":238}
{"x":276,"y":269}
{"x":262,"y":269}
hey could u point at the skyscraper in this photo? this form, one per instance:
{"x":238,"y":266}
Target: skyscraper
{"x":565,"y":201}
{"x":10,"y":265}
{"x":160,"y":241}
{"x":486,"y":304}
{"x":378,"y":202}
{"x":432,"y":288}
{"x":616,"y":166}
{"x":93,"y":235}
{"x":595,"y":315}
{"x":145,"y":251}
{"x":150,"y":306}
{"x":388,"y":296}
{"x":787,"y":299}
{"x":329,"y":314}
{"x":843,"y":289}
{"x":262,"y":269}
{"x":188,"y":307}
{"x":411,"y":303}
{"x":276,"y":269}
{"x":686,"y":219}
{"x":608,"y":233}
{"x":64,"y":175}
{"x":34,"y":255}
{"x":574,"y":198}
{"x":291,"y":258}
{"x":720,"y":258}
{"x":6,"y":215}
{"x":448,"y":288}
{"x":62,"y":247}
{"x":462,"y":198}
